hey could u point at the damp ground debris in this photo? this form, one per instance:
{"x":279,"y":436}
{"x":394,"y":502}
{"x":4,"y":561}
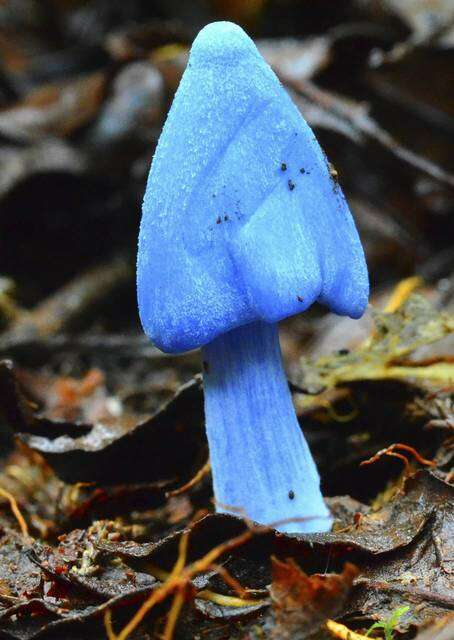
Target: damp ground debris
{"x":107,"y":523}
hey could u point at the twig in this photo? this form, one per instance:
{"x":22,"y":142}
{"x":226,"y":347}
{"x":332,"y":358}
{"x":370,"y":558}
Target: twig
{"x":133,"y":346}
{"x":338,"y":630}
{"x":206,"y":594}
{"x":390,"y":451}
{"x":70,"y":302}
{"x":229,"y":601}
{"x":16,"y":511}
{"x":417,"y":39}
{"x":108,"y":624}
{"x":201,"y":473}
{"x":229,"y":580}
{"x":357,"y":116}
{"x":415,"y":592}
{"x":400,"y":456}
{"x":172,"y":618}
{"x":416,"y":455}
{"x":401,"y":293}
{"x":173,"y":582}
{"x":179,"y":579}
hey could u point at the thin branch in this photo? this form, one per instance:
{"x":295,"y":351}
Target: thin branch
{"x":356,"y":115}
{"x":16,"y":511}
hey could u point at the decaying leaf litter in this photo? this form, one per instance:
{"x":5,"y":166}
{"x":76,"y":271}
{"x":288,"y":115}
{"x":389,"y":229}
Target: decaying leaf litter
{"x":100,"y":430}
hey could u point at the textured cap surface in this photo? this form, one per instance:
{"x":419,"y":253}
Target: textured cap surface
{"x":242,"y":220}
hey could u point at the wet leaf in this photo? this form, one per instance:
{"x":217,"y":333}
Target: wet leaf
{"x":421,"y":575}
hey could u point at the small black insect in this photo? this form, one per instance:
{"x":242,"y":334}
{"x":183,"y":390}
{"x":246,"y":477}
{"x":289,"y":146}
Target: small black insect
{"x":291,"y":185}
{"x":300,"y":298}
{"x":343,"y":352}
{"x":283,"y":167}
{"x":302,"y":170}
{"x":291,"y":494}
{"x":226,"y":218}
{"x":218,"y":220}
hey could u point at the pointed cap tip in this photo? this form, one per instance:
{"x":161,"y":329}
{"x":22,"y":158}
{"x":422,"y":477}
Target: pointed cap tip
{"x":222,"y":42}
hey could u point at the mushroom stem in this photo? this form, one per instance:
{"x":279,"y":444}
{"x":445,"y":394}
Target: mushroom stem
{"x":262,"y":466}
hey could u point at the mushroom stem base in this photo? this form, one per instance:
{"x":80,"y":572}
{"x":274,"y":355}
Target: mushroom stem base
{"x":262,"y":466}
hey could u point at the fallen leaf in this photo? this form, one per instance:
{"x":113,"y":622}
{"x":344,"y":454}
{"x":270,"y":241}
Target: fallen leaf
{"x":387,"y":354}
{"x":135,"y":449}
{"x":303,"y":603}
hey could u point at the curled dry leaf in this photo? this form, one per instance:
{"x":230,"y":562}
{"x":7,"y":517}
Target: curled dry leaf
{"x":136,"y":449}
{"x":302,"y":603}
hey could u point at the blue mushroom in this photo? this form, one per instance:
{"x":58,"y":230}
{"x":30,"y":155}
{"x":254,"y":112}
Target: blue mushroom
{"x":244,"y":225}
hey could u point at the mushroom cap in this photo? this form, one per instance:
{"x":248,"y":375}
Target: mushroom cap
{"x":242,"y":219}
